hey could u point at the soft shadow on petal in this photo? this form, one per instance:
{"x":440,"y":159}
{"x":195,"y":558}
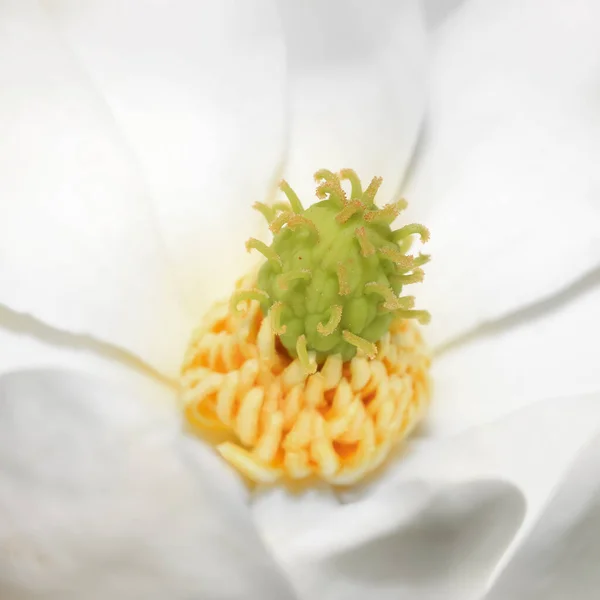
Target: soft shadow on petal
{"x":549,"y":350}
{"x":197,"y":90}
{"x":528,"y":451}
{"x":559,"y":559}
{"x":28,"y":343}
{"x":281,"y":514}
{"x":357,"y":88}
{"x":532,"y":448}
{"x":78,"y":246}
{"x":446,"y":549}
{"x":507,"y":176}
{"x":102,"y":498}
{"x":440,"y":540}
{"x":438,"y":11}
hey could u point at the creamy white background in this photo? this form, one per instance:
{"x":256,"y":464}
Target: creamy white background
{"x":133,"y":139}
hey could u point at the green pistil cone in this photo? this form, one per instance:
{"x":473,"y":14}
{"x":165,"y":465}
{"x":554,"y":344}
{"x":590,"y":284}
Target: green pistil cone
{"x":335,"y":272}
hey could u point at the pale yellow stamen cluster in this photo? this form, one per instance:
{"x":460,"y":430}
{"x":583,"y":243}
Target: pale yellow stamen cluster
{"x":279,"y":420}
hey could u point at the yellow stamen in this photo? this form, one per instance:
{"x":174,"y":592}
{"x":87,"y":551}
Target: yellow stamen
{"x":279,"y":419}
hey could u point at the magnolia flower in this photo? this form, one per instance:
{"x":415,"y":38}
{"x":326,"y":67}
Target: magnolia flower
{"x":134,"y":138}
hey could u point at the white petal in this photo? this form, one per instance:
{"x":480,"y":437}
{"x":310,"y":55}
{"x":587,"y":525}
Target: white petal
{"x":437,"y":11}
{"x":411,"y":543}
{"x":357,"y":92}
{"x":543,"y":353}
{"x":437,"y":523}
{"x":101,"y":497}
{"x":197,"y":89}
{"x":78,"y":245}
{"x":26,"y":343}
{"x":560,"y":557}
{"x":507,"y":178}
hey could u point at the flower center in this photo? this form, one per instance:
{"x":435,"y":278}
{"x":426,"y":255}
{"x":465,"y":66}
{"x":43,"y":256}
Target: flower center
{"x":278,"y":421}
{"x":315,"y":366}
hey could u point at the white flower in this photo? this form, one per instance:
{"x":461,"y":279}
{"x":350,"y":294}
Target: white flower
{"x":133,"y":139}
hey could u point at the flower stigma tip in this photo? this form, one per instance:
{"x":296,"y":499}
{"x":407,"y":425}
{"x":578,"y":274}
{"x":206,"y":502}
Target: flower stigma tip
{"x":352,"y":177}
{"x":294,"y":201}
{"x":371,"y":191}
{"x":366,"y":247}
{"x":334,"y":321}
{"x":244,"y":295}
{"x":275,"y":314}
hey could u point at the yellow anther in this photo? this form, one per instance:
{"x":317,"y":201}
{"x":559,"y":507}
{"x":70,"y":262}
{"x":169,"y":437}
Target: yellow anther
{"x":277,"y":414}
{"x":334,"y":320}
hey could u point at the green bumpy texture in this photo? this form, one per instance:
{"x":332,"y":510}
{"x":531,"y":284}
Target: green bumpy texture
{"x":317,"y":254}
